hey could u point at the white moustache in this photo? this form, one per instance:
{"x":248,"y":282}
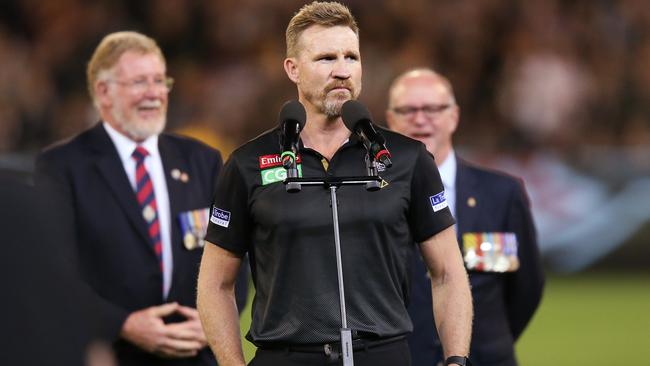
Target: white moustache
{"x":150,"y":104}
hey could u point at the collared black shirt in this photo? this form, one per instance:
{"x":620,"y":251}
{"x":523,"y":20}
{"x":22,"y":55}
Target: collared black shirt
{"x":290,"y":237}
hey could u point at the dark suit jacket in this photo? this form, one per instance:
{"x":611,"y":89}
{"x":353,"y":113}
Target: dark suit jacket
{"x":114,"y":251}
{"x":49,"y":316}
{"x":503,"y":302}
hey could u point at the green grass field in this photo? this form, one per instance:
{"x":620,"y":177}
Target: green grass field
{"x":585,"y":319}
{"x":590,"y":319}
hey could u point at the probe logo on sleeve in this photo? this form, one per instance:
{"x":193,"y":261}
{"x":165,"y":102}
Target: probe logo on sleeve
{"x":438,"y":201}
{"x":220,"y":217}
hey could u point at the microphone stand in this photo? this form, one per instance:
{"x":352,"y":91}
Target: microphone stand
{"x":372,"y":181}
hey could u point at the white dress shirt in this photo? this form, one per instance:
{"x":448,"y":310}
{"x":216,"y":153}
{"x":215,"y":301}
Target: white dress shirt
{"x":448,"y":174}
{"x":153,"y":163}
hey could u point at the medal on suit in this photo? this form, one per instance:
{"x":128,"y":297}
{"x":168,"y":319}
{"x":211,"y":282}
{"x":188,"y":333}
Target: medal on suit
{"x":189,"y":240}
{"x":194,"y":225}
{"x":490,"y":251}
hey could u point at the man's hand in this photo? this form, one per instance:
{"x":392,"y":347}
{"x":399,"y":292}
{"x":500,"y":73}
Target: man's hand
{"x":192,"y":325}
{"x":146,"y":329}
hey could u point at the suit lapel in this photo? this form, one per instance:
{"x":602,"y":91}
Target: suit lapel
{"x":172,"y":159}
{"x":466,"y":192}
{"x":110,"y":167}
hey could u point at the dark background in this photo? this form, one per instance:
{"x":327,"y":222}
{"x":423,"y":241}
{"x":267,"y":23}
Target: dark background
{"x":548,"y":88}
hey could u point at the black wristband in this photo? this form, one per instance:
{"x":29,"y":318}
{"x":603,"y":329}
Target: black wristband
{"x":460,"y":360}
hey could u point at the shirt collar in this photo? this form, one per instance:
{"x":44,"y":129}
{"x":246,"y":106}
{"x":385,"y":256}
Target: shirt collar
{"x":125,"y":146}
{"x":448,"y":171}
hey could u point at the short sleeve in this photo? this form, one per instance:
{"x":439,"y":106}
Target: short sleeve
{"x":429,"y":213}
{"x":230,"y":225}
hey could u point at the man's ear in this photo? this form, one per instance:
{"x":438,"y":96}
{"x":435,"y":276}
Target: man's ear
{"x":389,"y":118}
{"x":455,"y":118}
{"x":101,"y":93}
{"x":291,"y":68}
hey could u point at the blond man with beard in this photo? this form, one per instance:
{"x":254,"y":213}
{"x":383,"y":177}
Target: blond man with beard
{"x":134,"y":198}
{"x":295,"y":318}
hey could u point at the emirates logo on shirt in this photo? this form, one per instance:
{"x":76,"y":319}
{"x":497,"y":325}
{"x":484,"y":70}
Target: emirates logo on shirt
{"x":272,"y":170}
{"x":272,"y":161}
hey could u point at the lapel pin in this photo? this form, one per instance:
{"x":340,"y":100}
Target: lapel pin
{"x":471,"y":202}
{"x":184,"y":177}
{"x":176,"y":174}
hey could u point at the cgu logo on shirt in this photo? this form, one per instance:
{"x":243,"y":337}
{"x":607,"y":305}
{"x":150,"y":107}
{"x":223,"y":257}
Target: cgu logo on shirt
{"x":271,"y":169}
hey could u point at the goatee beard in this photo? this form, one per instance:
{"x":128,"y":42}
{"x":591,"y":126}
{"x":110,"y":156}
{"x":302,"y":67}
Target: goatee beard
{"x":332,"y":106}
{"x":139,"y":130}
{"x":332,"y":109}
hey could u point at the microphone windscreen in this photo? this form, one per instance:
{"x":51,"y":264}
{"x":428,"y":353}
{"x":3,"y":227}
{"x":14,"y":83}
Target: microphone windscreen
{"x":293,"y":111}
{"x":354,"y":112}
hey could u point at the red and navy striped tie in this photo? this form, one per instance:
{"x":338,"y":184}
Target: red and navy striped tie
{"x":147,"y":200}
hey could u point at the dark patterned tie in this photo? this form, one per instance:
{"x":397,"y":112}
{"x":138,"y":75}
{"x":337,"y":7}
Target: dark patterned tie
{"x":147,"y":200}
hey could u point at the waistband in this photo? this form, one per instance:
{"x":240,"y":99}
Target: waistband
{"x":333,"y":347}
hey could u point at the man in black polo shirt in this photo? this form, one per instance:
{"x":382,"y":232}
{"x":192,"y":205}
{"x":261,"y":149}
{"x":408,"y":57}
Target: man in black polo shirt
{"x":290,"y":239}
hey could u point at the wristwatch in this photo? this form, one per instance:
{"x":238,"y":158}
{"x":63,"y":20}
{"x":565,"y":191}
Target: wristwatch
{"x":459,"y":360}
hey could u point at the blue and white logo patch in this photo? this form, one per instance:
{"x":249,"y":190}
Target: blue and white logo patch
{"x":438,"y":202}
{"x":220,"y":217}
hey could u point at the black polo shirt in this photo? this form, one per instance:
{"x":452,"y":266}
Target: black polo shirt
{"x":290,"y":237}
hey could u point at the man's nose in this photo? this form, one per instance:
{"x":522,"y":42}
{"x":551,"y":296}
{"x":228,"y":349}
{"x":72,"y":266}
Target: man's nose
{"x":420,"y":118}
{"x":154,"y":90}
{"x":341,"y":69}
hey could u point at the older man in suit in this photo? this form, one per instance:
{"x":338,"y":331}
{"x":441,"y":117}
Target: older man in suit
{"x":495,"y":229}
{"x":136,"y":200}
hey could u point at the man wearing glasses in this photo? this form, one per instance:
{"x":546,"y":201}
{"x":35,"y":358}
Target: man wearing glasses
{"x":136,"y":201}
{"x":495,"y":229}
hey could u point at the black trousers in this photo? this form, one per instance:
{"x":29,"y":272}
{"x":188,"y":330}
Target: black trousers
{"x":392,"y":354}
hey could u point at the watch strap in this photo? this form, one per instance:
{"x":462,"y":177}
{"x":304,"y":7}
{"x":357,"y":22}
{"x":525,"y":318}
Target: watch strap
{"x":460,"y":360}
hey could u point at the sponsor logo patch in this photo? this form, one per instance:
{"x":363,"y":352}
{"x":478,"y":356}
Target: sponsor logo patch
{"x":272,"y":169}
{"x":220,"y":217}
{"x":438,"y":201}
{"x":278,"y":174}
{"x":273,"y":160}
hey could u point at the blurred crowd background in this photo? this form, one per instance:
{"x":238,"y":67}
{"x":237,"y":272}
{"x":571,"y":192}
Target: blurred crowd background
{"x":555,"y":91}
